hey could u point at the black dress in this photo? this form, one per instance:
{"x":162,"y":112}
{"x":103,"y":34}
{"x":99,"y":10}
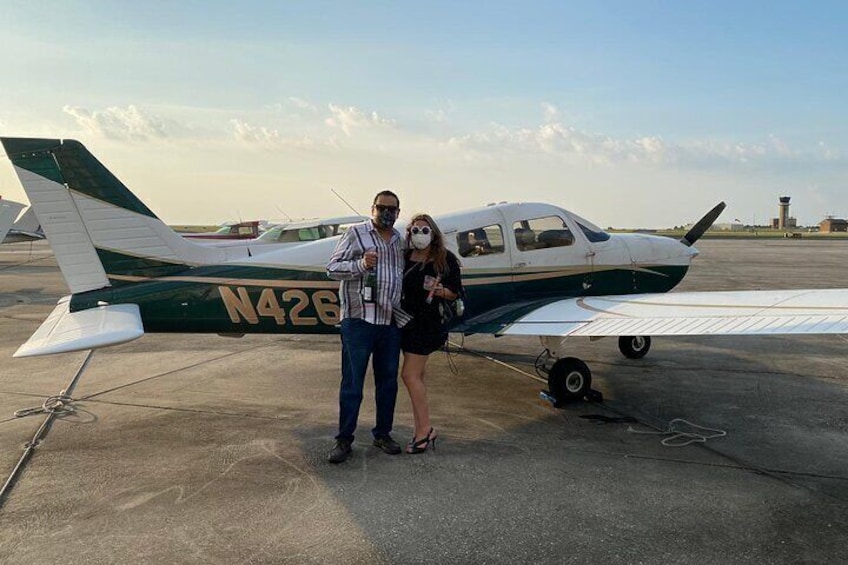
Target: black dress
{"x":425,"y":333}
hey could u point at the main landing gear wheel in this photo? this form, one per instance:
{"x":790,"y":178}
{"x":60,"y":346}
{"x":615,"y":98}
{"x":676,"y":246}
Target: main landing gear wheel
{"x":634,"y":347}
{"x":569,"y":379}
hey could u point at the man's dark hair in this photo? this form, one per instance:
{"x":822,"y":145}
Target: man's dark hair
{"x":387,"y":193}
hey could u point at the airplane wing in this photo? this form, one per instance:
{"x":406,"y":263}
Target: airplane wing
{"x":64,"y":331}
{"x":754,"y":312}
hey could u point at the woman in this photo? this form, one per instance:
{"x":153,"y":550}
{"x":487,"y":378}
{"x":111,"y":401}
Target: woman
{"x":431,"y":279}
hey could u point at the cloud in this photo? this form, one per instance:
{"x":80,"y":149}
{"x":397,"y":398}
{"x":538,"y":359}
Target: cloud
{"x":259,"y":135}
{"x":554,"y":139}
{"x":128,"y":123}
{"x":438,"y":116}
{"x":826,"y":152}
{"x":558,"y":140}
{"x":303,"y":104}
{"x":247,"y":133}
{"x":550,"y":111}
{"x":551,"y":139}
{"x":350,"y":117}
{"x":442,"y":114}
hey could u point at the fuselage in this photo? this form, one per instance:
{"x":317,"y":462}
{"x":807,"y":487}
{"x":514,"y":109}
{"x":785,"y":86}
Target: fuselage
{"x":513,"y":255}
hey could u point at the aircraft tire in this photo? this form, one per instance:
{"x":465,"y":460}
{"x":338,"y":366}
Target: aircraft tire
{"x":634,"y":346}
{"x":569,"y":379}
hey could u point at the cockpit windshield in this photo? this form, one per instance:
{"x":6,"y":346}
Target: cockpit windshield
{"x":592,"y":232}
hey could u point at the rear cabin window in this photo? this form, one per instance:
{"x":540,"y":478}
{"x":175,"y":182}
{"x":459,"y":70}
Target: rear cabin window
{"x":541,"y":233}
{"x":487,"y":240}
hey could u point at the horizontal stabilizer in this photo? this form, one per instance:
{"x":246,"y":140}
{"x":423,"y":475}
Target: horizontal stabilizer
{"x":65,"y":331}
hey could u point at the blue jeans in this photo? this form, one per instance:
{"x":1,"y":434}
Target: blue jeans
{"x":361,"y":340}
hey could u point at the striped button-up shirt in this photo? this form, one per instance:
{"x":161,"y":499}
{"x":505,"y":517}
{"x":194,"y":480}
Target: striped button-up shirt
{"x":347,"y":265}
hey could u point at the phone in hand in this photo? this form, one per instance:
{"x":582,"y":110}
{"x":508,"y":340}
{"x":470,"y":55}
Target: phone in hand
{"x":430,"y":282}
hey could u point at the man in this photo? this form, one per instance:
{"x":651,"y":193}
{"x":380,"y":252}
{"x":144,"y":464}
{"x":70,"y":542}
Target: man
{"x":371,"y":320}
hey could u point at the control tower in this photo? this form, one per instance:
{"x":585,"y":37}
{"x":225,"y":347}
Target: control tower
{"x":783,"y":212}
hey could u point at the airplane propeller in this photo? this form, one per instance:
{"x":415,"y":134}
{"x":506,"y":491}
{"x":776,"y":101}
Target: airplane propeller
{"x":703,"y":225}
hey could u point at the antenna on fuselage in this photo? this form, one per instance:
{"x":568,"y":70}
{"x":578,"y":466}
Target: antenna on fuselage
{"x":280,"y":210}
{"x":345,"y":201}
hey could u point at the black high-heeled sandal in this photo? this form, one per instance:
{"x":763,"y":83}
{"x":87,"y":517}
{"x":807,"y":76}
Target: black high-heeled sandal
{"x":421,"y":445}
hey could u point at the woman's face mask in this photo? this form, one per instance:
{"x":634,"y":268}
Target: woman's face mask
{"x":421,"y":236}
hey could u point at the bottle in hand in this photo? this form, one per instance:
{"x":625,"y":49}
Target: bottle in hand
{"x":369,"y":286}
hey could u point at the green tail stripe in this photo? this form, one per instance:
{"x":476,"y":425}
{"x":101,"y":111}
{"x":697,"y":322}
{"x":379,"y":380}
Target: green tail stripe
{"x":77,"y":168}
{"x":35,"y":156}
{"x":120,"y":264}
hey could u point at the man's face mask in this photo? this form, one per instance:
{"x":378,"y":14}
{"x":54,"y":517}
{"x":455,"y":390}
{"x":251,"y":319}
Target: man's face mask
{"x":386,"y":215}
{"x":420,"y":236}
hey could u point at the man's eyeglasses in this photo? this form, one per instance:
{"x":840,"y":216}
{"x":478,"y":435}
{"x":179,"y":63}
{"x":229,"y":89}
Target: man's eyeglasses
{"x":415,"y":230}
{"x":383,"y":208}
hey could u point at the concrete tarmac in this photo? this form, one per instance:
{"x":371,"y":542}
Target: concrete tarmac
{"x":202,"y":449}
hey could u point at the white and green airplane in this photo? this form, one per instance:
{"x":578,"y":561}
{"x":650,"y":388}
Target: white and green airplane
{"x":528,"y":268}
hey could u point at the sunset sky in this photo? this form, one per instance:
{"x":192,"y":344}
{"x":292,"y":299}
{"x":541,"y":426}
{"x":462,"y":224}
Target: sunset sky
{"x":630,"y":113}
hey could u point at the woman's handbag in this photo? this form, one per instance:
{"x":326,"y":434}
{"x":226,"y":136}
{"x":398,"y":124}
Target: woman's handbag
{"x":451,"y":310}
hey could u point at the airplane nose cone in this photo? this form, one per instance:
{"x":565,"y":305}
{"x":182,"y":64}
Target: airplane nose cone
{"x":693,"y":252}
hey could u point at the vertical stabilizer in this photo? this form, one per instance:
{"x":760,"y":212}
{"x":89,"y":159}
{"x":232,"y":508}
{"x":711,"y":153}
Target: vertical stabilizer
{"x":38,"y":171}
{"x":100,"y":232}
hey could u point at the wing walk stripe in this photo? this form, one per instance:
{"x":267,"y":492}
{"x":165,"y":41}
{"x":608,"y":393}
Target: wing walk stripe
{"x":762,"y":309}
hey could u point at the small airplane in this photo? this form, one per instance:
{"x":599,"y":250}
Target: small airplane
{"x":294,"y":233}
{"x":528,"y":268}
{"x":230,"y":231}
{"x":308,"y":230}
{"x":9,"y":211}
{"x":26,"y":228}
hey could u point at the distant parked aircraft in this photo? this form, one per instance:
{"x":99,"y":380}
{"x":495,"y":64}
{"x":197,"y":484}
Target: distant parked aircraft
{"x":27,"y":228}
{"x":290,"y":234}
{"x":9,"y":210}
{"x":242,"y":230}
{"x":308,"y":230}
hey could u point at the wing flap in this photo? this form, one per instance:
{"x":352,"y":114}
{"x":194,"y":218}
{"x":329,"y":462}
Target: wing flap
{"x":691,"y":313}
{"x":64,"y":331}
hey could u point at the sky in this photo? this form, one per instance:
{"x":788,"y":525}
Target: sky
{"x":630,"y":113}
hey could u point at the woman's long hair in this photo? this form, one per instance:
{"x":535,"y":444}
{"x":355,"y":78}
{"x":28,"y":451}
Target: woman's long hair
{"x":437,"y":251}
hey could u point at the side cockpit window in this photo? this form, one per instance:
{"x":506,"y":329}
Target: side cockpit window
{"x":487,"y":240}
{"x":541,"y":233}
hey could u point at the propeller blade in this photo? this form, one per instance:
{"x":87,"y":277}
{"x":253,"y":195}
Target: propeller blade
{"x":703,"y":225}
